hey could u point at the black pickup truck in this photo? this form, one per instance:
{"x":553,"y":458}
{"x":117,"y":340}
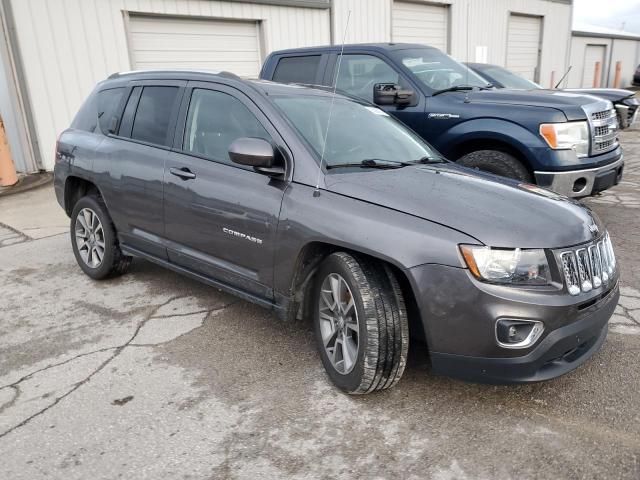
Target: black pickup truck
{"x":562,"y":141}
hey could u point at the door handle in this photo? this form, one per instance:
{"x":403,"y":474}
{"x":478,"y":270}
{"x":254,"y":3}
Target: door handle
{"x":184,"y":173}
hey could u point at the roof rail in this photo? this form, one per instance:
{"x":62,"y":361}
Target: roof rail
{"x":223,"y":73}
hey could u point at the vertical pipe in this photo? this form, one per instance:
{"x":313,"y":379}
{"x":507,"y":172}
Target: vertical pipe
{"x":616,"y":79}
{"x":597,"y":74}
{"x":553,"y":79}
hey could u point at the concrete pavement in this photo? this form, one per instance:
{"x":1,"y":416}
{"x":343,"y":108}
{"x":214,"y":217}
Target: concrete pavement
{"x":152,"y":375}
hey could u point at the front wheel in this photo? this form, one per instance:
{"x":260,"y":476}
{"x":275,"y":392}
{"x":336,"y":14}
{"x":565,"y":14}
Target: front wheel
{"x":360,"y":323}
{"x":498,"y":163}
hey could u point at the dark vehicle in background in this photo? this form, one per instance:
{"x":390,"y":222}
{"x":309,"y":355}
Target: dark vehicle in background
{"x":356,"y":223}
{"x":624,"y":101}
{"x":565,"y":142}
{"x":636,"y":76}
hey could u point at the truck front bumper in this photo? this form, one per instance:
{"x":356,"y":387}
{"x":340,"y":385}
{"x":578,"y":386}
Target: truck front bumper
{"x":582,"y":183}
{"x":460,"y":330}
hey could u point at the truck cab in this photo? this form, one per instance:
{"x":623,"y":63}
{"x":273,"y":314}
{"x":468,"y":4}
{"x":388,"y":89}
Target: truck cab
{"x":561,"y":141}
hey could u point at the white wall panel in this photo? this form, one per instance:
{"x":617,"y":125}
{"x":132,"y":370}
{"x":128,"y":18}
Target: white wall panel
{"x":420,"y":23}
{"x":523,"y":45}
{"x":67,"y":46}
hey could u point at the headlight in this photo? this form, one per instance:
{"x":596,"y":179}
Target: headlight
{"x":514,"y":266}
{"x":567,"y":136}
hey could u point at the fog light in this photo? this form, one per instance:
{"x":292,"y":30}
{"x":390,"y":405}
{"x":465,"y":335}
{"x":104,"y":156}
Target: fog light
{"x":518,"y":333}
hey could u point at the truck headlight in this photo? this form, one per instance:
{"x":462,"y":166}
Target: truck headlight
{"x":567,"y":136}
{"x":516,"y":266}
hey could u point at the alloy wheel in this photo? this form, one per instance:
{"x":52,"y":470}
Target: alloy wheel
{"x":89,"y":237}
{"x":338,"y":323}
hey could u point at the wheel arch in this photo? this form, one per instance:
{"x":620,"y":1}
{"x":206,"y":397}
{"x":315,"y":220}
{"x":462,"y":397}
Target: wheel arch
{"x":75,"y":188}
{"x":497,"y":144}
{"x":311,"y":257}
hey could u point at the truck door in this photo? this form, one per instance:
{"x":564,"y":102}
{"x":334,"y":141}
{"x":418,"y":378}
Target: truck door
{"x":359,"y":72}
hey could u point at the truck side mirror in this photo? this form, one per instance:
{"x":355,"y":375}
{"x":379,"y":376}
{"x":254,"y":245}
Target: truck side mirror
{"x":392,"y":94}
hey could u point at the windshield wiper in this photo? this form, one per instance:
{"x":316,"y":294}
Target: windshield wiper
{"x":460,"y":88}
{"x":370,"y":163}
{"x":427,"y":160}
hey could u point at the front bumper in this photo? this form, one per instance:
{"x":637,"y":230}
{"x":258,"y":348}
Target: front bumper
{"x":582,"y":183}
{"x":459,"y":314}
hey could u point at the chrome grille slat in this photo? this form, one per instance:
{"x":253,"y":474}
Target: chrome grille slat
{"x":604,"y":131}
{"x":588,"y":267}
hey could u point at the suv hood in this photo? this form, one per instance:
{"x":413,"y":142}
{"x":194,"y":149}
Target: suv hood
{"x":497,"y":212}
{"x":569,"y":103}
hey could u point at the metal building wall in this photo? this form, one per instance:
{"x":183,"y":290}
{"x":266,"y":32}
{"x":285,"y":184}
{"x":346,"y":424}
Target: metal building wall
{"x":67,"y":46}
{"x":473,"y":23}
{"x":626,"y":51}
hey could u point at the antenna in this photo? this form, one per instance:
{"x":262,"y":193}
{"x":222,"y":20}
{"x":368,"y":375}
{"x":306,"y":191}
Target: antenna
{"x":564,"y":76}
{"x":467,"y":42}
{"x":316,"y":192}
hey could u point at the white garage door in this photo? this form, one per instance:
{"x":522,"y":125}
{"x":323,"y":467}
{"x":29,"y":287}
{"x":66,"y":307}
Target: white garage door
{"x":415,"y":23}
{"x":169,"y":42}
{"x":592,"y":55}
{"x":523,"y":45}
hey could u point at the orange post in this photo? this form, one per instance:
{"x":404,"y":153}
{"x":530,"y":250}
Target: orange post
{"x":616,"y":79}
{"x":597,"y":75}
{"x":8,"y":174}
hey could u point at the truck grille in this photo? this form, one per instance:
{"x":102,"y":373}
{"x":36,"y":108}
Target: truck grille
{"x":589,"y":266}
{"x":604,"y":131}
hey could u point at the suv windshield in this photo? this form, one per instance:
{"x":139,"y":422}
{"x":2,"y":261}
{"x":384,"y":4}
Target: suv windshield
{"x":357,"y":134}
{"x":436,"y":70}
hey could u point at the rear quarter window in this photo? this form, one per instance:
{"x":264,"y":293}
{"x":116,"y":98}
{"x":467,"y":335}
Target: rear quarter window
{"x":99,"y":110}
{"x":301,"y":69}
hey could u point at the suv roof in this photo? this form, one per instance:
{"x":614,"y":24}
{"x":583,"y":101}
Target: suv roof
{"x":265,"y":87}
{"x":374,"y":47}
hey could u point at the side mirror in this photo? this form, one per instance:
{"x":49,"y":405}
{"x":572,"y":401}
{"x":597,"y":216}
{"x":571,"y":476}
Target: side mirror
{"x":392,"y":94}
{"x":255,"y":152}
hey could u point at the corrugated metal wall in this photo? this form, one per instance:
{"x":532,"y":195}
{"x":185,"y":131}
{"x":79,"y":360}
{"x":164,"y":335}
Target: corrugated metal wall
{"x":625,"y":51}
{"x":69,"y":45}
{"x":474,"y":23}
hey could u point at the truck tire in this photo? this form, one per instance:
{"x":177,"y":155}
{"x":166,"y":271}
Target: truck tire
{"x":94,"y":240}
{"x":360,"y":323}
{"x":498,"y":163}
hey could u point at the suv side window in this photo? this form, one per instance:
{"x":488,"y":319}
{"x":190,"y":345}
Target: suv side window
{"x":214,"y":121}
{"x":153,"y":116}
{"x":359,"y":73}
{"x":301,"y":69}
{"x":99,"y":109}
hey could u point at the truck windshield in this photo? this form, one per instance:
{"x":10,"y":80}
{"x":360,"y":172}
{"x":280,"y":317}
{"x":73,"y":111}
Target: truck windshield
{"x":436,"y":70}
{"x":358,"y":134}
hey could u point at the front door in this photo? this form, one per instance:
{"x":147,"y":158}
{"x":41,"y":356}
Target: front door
{"x":221,"y":217}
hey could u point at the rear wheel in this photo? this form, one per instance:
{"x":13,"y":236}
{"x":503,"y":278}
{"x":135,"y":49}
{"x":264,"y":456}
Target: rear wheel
{"x":360,"y":323}
{"x":498,"y":163}
{"x":94,"y":240}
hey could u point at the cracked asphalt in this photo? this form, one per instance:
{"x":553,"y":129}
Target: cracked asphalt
{"x":155,"y":376}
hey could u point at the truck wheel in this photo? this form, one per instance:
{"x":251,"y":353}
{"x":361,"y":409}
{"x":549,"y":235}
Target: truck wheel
{"x":496,"y":162}
{"x":360,"y":323}
{"x":94,"y":240}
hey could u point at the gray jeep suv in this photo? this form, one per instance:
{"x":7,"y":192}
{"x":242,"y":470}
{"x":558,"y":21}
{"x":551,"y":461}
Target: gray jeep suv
{"x":320,"y":206}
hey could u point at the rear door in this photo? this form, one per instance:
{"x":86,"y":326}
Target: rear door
{"x":524,"y":46}
{"x":220,"y":217}
{"x":132,"y":163}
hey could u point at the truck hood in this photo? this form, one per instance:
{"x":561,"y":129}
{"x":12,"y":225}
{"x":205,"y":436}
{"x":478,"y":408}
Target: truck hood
{"x":497,"y":212}
{"x":569,"y":103}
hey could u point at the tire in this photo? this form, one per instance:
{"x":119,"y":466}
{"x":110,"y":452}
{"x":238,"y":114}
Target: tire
{"x":382,"y":328}
{"x":112,"y":262}
{"x":498,"y":163}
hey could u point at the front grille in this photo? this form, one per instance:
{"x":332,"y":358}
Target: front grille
{"x":589,"y":266}
{"x":604,"y":131}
